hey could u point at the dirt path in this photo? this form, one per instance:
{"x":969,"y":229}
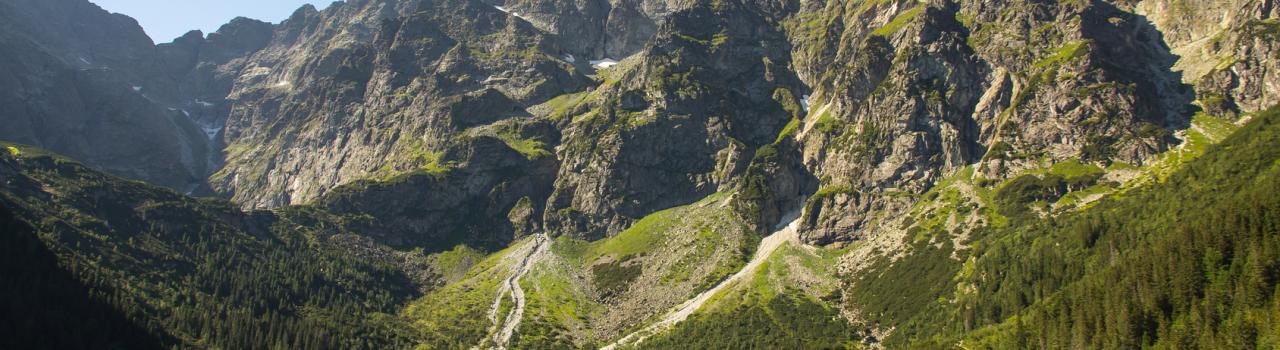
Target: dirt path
{"x":511,"y":287}
{"x":766,"y":248}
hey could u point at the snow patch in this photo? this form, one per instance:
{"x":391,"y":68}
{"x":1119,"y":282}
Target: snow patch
{"x":188,"y":114}
{"x":86,"y":61}
{"x":570,"y":58}
{"x":283,"y":84}
{"x":805,"y":103}
{"x":210,"y":131}
{"x":507,"y":11}
{"x":203,"y":103}
{"x":604,"y":63}
{"x":137,"y":89}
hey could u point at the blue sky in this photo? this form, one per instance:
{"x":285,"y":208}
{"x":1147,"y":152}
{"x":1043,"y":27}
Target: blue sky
{"x":165,"y":20}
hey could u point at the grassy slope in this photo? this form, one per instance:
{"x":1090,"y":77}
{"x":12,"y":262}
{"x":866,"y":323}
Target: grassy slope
{"x":455,"y":316}
{"x":660,"y":261}
{"x":786,"y":304}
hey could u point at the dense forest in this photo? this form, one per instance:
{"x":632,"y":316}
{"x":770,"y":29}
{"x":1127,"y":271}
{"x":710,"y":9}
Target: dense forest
{"x":1191,"y":262}
{"x":1187,"y":262}
{"x":121,"y":263}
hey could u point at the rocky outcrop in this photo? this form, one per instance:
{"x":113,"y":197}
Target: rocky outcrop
{"x":1002,"y":86}
{"x":1227,"y":49}
{"x":92,"y":85}
{"x":858,"y":106}
{"x":368,"y":85}
{"x":597,"y":29}
{"x":485,"y":200}
{"x":676,"y":123}
{"x":77,"y":81}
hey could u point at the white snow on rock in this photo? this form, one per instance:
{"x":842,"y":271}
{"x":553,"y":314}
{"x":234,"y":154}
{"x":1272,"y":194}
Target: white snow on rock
{"x":505,"y":10}
{"x":211,"y":132}
{"x":805,"y":103}
{"x":604,"y":63}
{"x":137,"y":89}
{"x":570,"y":58}
{"x":203,"y":103}
{"x":188,"y":114}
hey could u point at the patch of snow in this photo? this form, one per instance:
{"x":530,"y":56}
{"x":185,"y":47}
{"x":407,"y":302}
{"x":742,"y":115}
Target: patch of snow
{"x":82,"y":59}
{"x":604,"y":63}
{"x":507,"y":11}
{"x":283,"y":84}
{"x":210,"y":131}
{"x":171,"y":109}
{"x":137,"y":89}
{"x":570,"y":58}
{"x":805,"y":103}
{"x":203,"y":103}
{"x":188,"y":114}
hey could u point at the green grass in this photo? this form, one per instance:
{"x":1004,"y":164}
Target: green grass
{"x":529,"y":147}
{"x":453,"y":264}
{"x":561,"y":106}
{"x":1061,"y":55}
{"x":454,"y":316}
{"x":899,"y":22}
{"x":826,"y":123}
{"x":788,"y":131}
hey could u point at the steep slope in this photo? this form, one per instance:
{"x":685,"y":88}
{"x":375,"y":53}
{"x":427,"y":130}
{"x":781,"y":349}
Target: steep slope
{"x":1007,"y":85}
{"x":377,"y":87}
{"x":980,"y":172}
{"x":675,"y":123}
{"x":91,"y":85}
{"x":194,"y":273}
{"x":1180,"y":263}
{"x":1195,"y":271}
{"x":580,"y":293}
{"x":79,"y":81}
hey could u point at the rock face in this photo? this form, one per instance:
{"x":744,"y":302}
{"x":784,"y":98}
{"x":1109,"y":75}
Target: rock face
{"x":77,"y":81}
{"x":676,"y":123}
{"x":1001,"y":86}
{"x":1228,"y":50}
{"x":424,"y":111}
{"x":91,"y":85}
{"x":486,"y":201}
{"x":367,"y":85}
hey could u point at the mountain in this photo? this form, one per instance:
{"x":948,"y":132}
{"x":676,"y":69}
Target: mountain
{"x":646,"y":174}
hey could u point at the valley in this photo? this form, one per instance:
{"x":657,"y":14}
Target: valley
{"x":704,"y":174}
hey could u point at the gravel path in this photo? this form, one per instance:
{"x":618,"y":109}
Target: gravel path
{"x":511,"y":286}
{"x":767,"y":246}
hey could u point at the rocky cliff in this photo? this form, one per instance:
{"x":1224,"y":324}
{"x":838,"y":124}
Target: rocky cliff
{"x":851,"y":110}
